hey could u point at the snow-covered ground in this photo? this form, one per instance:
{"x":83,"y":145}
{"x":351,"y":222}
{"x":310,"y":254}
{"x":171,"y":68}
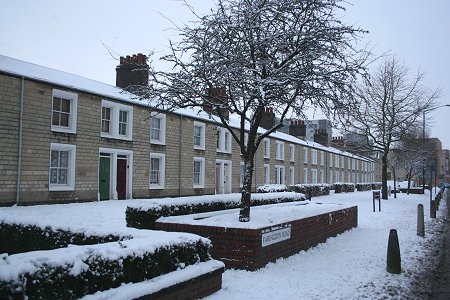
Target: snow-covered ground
{"x":349,"y":266}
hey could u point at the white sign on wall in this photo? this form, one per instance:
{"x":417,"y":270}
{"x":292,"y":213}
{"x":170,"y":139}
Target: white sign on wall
{"x":275,"y":236}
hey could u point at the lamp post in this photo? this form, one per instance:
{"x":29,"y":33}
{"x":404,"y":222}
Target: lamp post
{"x":423,"y":141}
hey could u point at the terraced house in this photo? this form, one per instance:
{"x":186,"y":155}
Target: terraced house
{"x":65,"y":138}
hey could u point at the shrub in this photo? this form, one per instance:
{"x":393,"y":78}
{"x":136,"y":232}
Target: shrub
{"x":344,"y":187}
{"x":76,"y":271}
{"x":376,"y":185}
{"x":315,"y":190}
{"x":17,"y":238}
{"x":363,"y":187}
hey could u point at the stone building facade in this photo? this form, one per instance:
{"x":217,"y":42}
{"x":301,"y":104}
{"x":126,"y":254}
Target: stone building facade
{"x":65,"y":138}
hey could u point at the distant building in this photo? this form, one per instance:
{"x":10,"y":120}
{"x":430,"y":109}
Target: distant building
{"x":319,"y":131}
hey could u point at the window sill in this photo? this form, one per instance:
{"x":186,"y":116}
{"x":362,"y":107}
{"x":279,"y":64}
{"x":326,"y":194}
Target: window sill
{"x":155,"y":142}
{"x":156,"y":187}
{"x":116,"y":137}
{"x":60,"y":188}
{"x":63,"y":129}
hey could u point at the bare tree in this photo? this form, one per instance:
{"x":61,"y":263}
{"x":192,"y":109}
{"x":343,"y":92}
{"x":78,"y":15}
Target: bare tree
{"x":390,"y":103}
{"x":246,"y":56}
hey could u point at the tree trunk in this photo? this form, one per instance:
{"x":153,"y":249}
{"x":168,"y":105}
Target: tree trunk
{"x":395,"y":184}
{"x":409,"y":184}
{"x":244,"y":214}
{"x":384,"y":172}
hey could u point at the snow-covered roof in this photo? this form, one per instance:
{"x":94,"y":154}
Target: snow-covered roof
{"x":36,"y":72}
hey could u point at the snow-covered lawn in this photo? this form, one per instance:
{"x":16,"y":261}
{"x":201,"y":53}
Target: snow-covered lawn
{"x":349,"y":266}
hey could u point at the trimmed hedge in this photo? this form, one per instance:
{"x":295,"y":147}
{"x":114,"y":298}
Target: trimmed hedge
{"x":18,"y":238}
{"x":360,"y":187}
{"x":314,"y":190}
{"x":344,"y":188}
{"x":376,"y":185}
{"x":145,"y":217}
{"x":90,"y":269}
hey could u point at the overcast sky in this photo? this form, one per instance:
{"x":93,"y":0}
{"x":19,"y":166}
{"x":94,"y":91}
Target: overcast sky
{"x":71,"y":36}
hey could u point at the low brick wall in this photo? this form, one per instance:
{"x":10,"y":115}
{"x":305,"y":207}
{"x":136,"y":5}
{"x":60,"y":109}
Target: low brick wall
{"x":195,"y":288}
{"x":243,"y":248}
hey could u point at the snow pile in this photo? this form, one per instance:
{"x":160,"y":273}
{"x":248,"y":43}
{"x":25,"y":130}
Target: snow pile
{"x":271,"y":188}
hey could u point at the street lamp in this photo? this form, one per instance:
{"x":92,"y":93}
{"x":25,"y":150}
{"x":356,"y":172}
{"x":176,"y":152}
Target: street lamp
{"x":423,"y":141}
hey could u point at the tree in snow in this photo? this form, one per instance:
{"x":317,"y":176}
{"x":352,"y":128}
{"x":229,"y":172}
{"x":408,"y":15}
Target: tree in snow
{"x":412,"y":154}
{"x":249,"y":56}
{"x":390,"y":103}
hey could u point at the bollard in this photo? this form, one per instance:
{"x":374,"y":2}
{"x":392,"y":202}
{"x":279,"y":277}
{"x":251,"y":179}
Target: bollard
{"x":394,"y":264}
{"x":432,"y":209}
{"x":420,"y":221}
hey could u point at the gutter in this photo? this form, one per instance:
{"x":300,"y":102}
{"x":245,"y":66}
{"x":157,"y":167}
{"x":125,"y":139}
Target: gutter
{"x":19,"y":163}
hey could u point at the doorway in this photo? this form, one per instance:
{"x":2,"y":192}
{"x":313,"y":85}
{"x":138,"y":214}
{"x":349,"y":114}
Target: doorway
{"x":114,"y":174}
{"x":223,"y":176}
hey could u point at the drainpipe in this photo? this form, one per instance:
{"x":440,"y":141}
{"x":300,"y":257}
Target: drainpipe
{"x":179,"y":154}
{"x":19,"y":163}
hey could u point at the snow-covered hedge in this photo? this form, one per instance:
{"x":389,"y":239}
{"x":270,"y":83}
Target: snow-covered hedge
{"x":70,"y":273}
{"x":17,"y":238}
{"x":145,"y":213}
{"x":344,"y":187}
{"x":360,"y":187}
{"x":314,"y":190}
{"x":376,"y":185}
{"x":271,"y":188}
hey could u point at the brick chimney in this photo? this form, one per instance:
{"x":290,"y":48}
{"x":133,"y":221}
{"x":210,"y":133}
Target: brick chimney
{"x":321,"y":137}
{"x":132,"y":70}
{"x":297,"y":128}
{"x":338,"y":142}
{"x":268,"y":118}
{"x":214,"y":99}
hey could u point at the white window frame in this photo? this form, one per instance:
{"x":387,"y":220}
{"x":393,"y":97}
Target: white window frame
{"x":224,"y":143}
{"x":322,"y":158}
{"x":202,"y":127}
{"x":241,"y":174}
{"x":321,"y":176}
{"x":266,"y":153}
{"x":114,"y":121}
{"x":336,"y":161}
{"x":291,"y":176}
{"x":313,"y":176}
{"x":280,"y":174}
{"x":266,"y":174}
{"x":162,"y":171}
{"x":70,"y":186}
{"x":331,"y":177}
{"x":305,"y":155}
{"x":73,"y":98}
{"x":162,"y":134}
{"x":314,"y":156}
{"x":349,"y":163}
{"x":201,"y":183}
{"x":292,"y":152}
{"x":279,"y":153}
{"x":305,"y":175}
{"x":331,"y":160}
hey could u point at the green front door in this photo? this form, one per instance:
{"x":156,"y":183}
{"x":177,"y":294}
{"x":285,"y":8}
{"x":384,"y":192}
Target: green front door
{"x":104,"y":177}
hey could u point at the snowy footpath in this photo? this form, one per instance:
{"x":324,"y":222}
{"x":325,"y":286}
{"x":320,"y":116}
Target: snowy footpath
{"x":349,"y":266}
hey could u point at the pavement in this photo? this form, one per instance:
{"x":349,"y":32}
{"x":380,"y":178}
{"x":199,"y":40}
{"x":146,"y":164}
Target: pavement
{"x":441,"y":286}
